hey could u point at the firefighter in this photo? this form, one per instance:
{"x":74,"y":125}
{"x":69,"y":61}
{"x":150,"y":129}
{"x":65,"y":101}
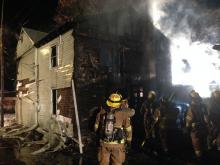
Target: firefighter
{"x":214,"y":123}
{"x":150,"y":121}
{"x":196,"y":122}
{"x":167,"y":124}
{"x":114,"y":129}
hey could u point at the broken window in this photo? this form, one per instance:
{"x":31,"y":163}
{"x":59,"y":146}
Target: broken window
{"x":54,"y":101}
{"x":54,"y":54}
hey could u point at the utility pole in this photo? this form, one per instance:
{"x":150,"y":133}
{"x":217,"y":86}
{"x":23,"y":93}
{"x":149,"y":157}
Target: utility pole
{"x":2,"y":66}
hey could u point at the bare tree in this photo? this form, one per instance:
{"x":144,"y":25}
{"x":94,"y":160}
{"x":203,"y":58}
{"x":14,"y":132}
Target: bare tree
{"x":68,"y":10}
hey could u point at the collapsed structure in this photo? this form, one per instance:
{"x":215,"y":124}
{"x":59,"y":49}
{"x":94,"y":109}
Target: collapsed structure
{"x":101,"y":53}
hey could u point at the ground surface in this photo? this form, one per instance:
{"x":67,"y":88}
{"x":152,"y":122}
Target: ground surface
{"x":11,"y":155}
{"x":15,"y":152}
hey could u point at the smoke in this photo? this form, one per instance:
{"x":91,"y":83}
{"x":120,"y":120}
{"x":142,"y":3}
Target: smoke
{"x":189,"y":17}
{"x":193,"y":28}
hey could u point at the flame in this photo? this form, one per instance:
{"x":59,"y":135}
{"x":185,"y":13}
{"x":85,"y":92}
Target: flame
{"x":193,"y":63}
{"x":201,"y":59}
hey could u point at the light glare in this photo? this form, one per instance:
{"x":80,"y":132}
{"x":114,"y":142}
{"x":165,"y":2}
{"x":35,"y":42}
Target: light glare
{"x":193,"y":63}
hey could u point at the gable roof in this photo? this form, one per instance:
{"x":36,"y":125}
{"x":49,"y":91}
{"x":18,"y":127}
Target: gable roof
{"x":34,"y":34}
{"x":54,"y":33}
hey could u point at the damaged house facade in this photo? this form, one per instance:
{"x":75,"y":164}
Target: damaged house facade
{"x":104,"y":53}
{"x":44,"y":79}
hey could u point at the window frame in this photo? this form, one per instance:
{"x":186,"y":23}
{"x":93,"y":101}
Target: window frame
{"x":52,"y":56}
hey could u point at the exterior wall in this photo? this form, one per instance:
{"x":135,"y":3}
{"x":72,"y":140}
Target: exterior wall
{"x":34,"y":66}
{"x":25,"y":107}
{"x":24,"y":43}
{"x":66,"y":105}
{"x":25,"y":103}
{"x":9,"y":104}
{"x":66,"y":109}
{"x":56,"y":77}
{"x":102,"y":65}
{"x":163,"y":62}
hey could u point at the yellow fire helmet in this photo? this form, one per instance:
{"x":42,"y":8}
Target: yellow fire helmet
{"x":114,"y":100}
{"x":151,"y":95}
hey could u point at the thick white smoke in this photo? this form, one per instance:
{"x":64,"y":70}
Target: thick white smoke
{"x":192,"y":29}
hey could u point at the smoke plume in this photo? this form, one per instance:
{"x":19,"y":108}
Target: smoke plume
{"x":193,"y":28}
{"x":196,"y":19}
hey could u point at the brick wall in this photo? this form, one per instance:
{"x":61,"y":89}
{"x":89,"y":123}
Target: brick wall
{"x":66,"y":105}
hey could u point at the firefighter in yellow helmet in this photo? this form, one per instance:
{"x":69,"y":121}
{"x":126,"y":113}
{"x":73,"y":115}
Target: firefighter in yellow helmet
{"x":197,"y":122}
{"x":114,"y":129}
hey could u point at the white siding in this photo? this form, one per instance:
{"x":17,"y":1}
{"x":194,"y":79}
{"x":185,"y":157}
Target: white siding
{"x":26,"y":66}
{"x":49,"y":78}
{"x":24,"y":43}
{"x":25,"y":106}
{"x":54,"y":78}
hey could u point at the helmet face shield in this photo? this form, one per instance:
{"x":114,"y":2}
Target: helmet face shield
{"x":114,"y":100}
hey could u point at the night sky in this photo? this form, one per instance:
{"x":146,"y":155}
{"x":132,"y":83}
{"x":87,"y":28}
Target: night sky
{"x":36,"y":14}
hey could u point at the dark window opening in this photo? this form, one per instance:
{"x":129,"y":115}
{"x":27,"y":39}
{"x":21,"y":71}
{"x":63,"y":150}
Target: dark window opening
{"x":54,"y":101}
{"x":54,"y":56}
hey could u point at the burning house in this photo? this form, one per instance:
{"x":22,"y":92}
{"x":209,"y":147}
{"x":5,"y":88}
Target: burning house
{"x":112,"y":51}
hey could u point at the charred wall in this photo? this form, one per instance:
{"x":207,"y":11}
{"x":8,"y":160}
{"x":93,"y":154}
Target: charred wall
{"x":112,"y":54}
{"x":163,"y":62}
{"x":103,"y":65}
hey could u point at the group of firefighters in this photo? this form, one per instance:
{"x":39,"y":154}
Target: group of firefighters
{"x":114,"y":127}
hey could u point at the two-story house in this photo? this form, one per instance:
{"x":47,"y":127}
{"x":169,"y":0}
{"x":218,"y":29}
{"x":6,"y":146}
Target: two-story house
{"x":101,"y":53}
{"x":45,"y":67}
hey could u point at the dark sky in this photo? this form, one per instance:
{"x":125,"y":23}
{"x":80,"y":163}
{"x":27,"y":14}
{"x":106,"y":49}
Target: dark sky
{"x":37,"y":14}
